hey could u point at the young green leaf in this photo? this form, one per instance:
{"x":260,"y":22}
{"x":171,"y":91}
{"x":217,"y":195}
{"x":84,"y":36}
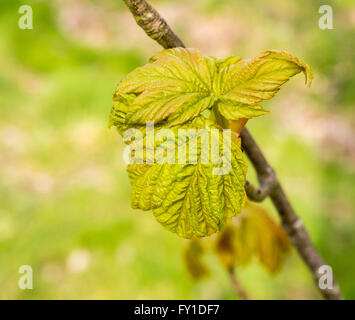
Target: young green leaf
{"x":175,"y":86}
{"x":178,"y":84}
{"x":246,"y":83}
{"x":175,"y":90}
{"x":191,"y":199}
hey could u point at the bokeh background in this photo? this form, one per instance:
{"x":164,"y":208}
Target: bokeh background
{"x":64,"y":194}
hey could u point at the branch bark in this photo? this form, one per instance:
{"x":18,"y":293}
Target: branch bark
{"x":291,"y":223}
{"x":157,"y":28}
{"x":238,"y":288}
{"x":153,"y":24}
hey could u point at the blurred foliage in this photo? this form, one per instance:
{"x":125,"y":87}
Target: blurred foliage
{"x":252,"y":234}
{"x":193,"y":253}
{"x":64,"y":195}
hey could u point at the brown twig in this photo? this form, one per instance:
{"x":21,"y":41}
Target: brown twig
{"x":237,"y":286}
{"x":291,"y":223}
{"x":153,"y":24}
{"x":157,"y":28}
{"x":267,"y":184}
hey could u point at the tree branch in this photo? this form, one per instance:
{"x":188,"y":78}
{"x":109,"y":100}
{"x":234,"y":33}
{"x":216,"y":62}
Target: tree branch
{"x":291,"y":223}
{"x":157,"y":28}
{"x":153,"y":24}
{"x":238,"y":288}
{"x":267,"y":184}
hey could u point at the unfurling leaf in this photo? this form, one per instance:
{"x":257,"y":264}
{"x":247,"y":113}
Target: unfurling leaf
{"x":191,"y":199}
{"x":175,"y":86}
{"x":246,"y":83}
{"x":178,"y":84}
{"x":193,"y":253}
{"x":252,"y":234}
{"x":176,"y":90}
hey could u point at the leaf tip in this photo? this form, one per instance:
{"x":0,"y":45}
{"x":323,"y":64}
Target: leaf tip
{"x":309,"y":76}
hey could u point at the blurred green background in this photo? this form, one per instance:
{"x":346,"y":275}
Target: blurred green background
{"x":64,"y":194}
